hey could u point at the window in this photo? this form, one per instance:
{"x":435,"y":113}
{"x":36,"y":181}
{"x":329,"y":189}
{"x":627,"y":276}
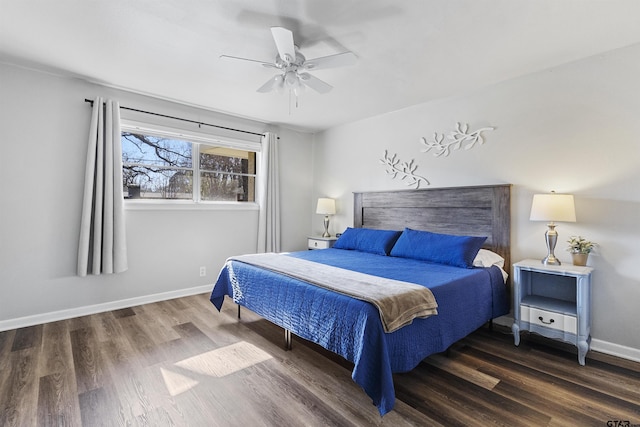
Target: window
{"x":165,"y":167}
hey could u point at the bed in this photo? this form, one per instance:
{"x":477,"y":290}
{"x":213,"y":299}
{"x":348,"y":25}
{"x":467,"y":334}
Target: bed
{"x":467,"y":296}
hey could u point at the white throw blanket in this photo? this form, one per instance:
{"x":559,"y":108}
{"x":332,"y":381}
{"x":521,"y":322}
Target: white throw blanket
{"x":398,"y":302}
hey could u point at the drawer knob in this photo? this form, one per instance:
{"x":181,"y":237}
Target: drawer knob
{"x":542,"y":320}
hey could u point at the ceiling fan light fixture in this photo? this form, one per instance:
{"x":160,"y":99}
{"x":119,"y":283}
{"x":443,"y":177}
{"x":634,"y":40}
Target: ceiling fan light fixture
{"x":291,"y":79}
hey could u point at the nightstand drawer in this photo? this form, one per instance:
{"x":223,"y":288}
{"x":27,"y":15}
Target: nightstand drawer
{"x":549,"y":319}
{"x":320,"y":243}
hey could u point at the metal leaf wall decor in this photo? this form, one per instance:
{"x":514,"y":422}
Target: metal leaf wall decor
{"x":459,"y":137}
{"x":404,"y":170}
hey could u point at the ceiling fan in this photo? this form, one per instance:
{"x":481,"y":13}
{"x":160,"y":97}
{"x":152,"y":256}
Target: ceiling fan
{"x":293,"y":67}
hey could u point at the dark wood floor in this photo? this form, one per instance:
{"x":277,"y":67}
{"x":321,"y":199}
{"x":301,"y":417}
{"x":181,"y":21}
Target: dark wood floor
{"x":181,"y":363}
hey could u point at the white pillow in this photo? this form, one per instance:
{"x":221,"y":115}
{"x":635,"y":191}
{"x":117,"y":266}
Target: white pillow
{"x":486,"y":258}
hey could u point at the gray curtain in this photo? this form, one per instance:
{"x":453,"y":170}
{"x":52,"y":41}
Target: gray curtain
{"x":102,"y":246}
{"x":269,"y":196}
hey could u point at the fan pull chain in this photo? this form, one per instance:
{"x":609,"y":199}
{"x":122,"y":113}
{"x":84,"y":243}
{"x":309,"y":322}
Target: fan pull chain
{"x":294,"y":101}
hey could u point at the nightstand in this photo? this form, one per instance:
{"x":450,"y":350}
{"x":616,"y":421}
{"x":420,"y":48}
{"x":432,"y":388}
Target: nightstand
{"x":553,"y":301}
{"x":320,"y":242}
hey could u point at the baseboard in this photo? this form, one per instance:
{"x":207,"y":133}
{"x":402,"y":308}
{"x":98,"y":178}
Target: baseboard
{"x":53,"y":316}
{"x":504,"y":321}
{"x":601,"y":346}
{"x":615,"y":350}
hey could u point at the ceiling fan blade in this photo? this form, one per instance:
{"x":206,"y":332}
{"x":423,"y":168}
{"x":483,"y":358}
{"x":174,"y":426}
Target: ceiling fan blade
{"x":264,"y":64}
{"x":315,"y":83}
{"x":275,"y":82}
{"x":284,"y":42}
{"x":331,"y":61}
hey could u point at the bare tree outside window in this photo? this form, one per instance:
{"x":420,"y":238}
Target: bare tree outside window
{"x":227,"y":174}
{"x":164,"y":168}
{"x":156,"y":168}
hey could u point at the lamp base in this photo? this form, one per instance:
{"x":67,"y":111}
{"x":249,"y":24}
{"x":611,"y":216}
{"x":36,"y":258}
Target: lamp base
{"x":551,"y":237}
{"x":551,"y":260}
{"x":326,"y":227}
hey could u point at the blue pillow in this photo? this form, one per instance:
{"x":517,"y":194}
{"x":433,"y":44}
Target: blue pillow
{"x":367,"y":240}
{"x":439,"y":248}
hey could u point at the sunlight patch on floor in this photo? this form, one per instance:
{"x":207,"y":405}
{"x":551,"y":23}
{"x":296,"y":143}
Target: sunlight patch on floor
{"x":463,"y":371}
{"x":226,"y":360}
{"x":177,"y":383}
{"x":215,"y":363}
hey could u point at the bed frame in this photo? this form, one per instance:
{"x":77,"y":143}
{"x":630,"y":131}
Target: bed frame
{"x":471,"y":211}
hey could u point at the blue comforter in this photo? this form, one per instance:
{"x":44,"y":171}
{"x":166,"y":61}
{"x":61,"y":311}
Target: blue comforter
{"x":467,"y":298}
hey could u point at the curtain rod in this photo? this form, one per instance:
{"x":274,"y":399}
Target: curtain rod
{"x":90,"y":101}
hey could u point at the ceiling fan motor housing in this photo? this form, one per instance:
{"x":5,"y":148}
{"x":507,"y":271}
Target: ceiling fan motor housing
{"x":287,"y":61}
{"x":290,"y":68}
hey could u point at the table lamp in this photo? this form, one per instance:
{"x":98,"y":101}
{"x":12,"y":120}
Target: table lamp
{"x":326,"y":207}
{"x":551,"y":208}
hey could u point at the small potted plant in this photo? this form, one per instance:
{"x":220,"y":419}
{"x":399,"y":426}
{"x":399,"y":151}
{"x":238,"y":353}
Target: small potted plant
{"x":580,"y":248}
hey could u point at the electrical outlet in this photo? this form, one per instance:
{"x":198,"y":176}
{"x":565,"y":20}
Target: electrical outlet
{"x":203,"y":271}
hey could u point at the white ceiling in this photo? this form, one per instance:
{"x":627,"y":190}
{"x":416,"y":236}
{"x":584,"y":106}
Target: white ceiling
{"x":410,"y":51}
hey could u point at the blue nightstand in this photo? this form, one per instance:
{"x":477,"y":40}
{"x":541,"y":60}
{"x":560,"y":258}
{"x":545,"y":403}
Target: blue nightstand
{"x":553,"y":301}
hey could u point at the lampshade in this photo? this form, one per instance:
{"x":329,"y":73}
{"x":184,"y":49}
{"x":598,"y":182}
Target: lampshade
{"x":553,"y":208}
{"x":326,"y":206}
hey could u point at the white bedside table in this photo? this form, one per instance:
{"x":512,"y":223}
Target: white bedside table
{"x":553,"y":301}
{"x":320,"y":242}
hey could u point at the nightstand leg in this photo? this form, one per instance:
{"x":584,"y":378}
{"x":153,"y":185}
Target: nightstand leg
{"x":516,"y":334}
{"x":583,"y":348}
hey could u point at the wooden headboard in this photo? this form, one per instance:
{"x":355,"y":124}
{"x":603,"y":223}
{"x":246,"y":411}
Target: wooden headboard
{"x":469,"y":211}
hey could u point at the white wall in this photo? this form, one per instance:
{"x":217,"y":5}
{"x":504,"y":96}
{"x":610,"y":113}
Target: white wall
{"x":44,"y":124}
{"x":572,"y":129}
